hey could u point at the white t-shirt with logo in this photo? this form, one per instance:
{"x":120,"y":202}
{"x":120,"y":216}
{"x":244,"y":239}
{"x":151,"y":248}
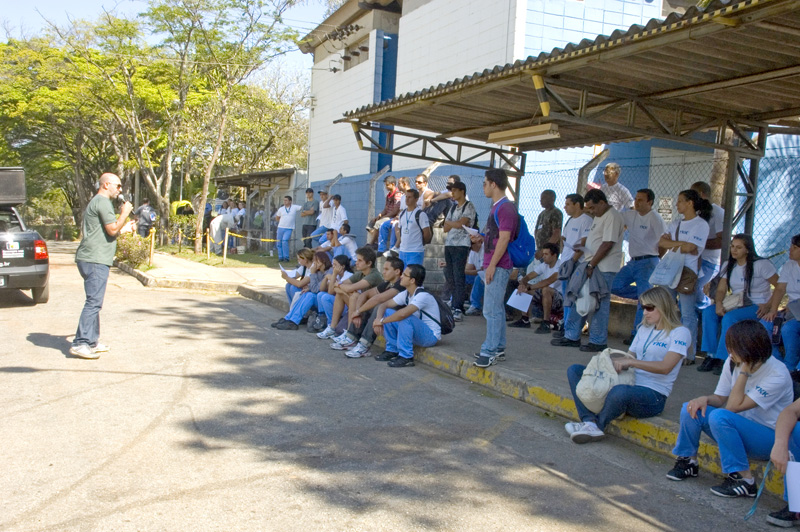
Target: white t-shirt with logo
{"x":643,"y":232}
{"x":338,"y":216}
{"x":424,"y":302}
{"x":606,"y":228}
{"x":476,"y":259}
{"x":543,"y":271}
{"x":618,"y":196}
{"x":325,"y":214}
{"x":790,"y":274}
{"x":652,"y":345}
{"x":714,"y":226}
{"x":695,"y":231}
{"x":410,"y":232}
{"x":770,"y":388}
{"x":574,"y":230}
{"x":760,"y":289}
{"x":288,"y":215}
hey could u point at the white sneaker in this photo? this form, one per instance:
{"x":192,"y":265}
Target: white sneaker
{"x":327,"y":333}
{"x":101,"y":348}
{"x":572,"y":427}
{"x":359,"y":351}
{"x":348,"y":344}
{"x":473,"y":311}
{"x":342,"y":338}
{"x":83,"y":351}
{"x":589,"y":432}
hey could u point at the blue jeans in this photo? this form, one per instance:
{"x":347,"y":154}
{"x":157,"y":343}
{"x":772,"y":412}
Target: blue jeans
{"x":284,"y":235}
{"x":715,"y":327}
{"x":706,"y":272}
{"x":476,"y":294}
{"x":409,"y":258}
{"x":494,"y":310}
{"x":386,"y":236}
{"x":291,"y":290}
{"x":402,"y":336}
{"x":567,"y":309}
{"x":95,"y":279}
{"x":325,"y":304}
{"x":737,"y":437}
{"x":636,"y":401}
{"x":790,"y":332}
{"x":598,"y":327}
{"x":639,"y":272}
{"x":304,"y":303}
{"x":315,"y":235}
{"x":686,"y":303}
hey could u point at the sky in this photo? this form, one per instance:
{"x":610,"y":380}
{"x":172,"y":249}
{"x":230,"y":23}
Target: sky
{"x":29,"y":17}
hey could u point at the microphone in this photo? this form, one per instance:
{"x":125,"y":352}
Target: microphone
{"x":121,"y":197}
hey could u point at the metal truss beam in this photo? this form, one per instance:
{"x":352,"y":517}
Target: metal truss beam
{"x":416,"y":146}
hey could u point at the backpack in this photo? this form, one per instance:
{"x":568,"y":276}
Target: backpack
{"x":416,"y":216}
{"x":447,"y":323}
{"x":453,"y":209}
{"x":522,"y":247}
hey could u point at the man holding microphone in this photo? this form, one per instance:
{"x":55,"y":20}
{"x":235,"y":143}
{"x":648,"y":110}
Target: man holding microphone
{"x":94,"y":258}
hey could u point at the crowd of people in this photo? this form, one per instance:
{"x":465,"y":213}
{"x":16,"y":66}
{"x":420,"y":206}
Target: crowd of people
{"x":606,"y":242}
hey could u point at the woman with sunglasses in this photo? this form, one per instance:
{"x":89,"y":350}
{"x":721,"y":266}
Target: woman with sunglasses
{"x":747,"y":276}
{"x":753,"y":388}
{"x":789,"y":285}
{"x":658,"y":348}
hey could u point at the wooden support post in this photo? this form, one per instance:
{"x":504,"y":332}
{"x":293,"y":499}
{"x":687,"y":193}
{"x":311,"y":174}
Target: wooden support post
{"x":225,"y":246}
{"x":208,"y":245}
{"x":152,"y":245}
{"x":180,"y":239}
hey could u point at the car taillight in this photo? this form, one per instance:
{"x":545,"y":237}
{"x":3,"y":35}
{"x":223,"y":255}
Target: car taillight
{"x":40,"y":250}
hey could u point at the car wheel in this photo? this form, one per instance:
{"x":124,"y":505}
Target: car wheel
{"x":41,"y":295}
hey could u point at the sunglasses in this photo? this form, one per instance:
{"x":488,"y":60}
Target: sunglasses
{"x":419,"y":182}
{"x":649,"y":308}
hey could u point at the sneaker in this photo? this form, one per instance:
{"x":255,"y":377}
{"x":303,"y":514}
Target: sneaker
{"x":499,"y":357}
{"x":276,"y":323}
{"x":587,"y":433}
{"x":522,"y":323}
{"x":386,"y":356}
{"x":348,"y":344}
{"x":735,"y":486}
{"x":565,"y":342}
{"x":709,"y":363}
{"x":717,"y":369}
{"x":342,"y":338}
{"x":558,"y":333}
{"x":394,"y":252}
{"x":683,"y":469}
{"x":484,"y":360}
{"x":572,"y":427}
{"x":784,"y":518}
{"x":287,"y":325}
{"x":593,"y":348}
{"x":473,"y":311}
{"x":360,"y":350}
{"x":329,"y":332}
{"x":101,"y":348}
{"x":543,"y":328}
{"x":400,"y":362}
{"x":83,"y":351}
{"x":458,"y":315}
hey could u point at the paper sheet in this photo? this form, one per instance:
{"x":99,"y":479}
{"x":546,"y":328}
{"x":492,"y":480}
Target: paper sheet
{"x":793,"y":485}
{"x":470,"y":230}
{"x":289,"y":273}
{"x":520,"y":301}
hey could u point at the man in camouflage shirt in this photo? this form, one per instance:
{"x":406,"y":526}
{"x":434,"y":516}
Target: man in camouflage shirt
{"x":548,"y":224}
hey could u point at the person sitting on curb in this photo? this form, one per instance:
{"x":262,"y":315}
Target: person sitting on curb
{"x":546,"y":292}
{"x":365,"y":277}
{"x":294,"y":284}
{"x":740,"y":416}
{"x":417,"y":323}
{"x":340,"y":272}
{"x":307,"y":297}
{"x":659,"y":346}
{"x":339,"y":243}
{"x":787,"y":439}
{"x":359,"y":337}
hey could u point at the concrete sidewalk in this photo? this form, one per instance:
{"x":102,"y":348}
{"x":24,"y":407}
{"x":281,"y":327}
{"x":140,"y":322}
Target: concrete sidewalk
{"x":534,"y":371}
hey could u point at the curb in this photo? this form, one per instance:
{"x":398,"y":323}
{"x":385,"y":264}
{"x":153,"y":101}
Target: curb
{"x":655,"y":434}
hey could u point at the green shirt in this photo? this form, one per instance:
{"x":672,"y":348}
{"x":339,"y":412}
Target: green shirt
{"x":374,"y":278}
{"x":97,"y":246}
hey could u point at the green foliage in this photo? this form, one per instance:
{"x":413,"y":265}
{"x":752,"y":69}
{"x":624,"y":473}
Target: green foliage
{"x":133,"y":249}
{"x":183,"y":223}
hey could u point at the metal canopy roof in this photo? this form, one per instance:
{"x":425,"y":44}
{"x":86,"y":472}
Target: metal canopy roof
{"x":267,"y":178}
{"x":731,"y":67}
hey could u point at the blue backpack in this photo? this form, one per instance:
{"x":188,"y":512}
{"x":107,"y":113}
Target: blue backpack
{"x":522,"y":246}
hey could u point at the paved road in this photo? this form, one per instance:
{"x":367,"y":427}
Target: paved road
{"x":204,"y":418}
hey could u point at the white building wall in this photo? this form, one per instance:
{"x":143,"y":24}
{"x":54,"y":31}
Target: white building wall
{"x":332,"y":147}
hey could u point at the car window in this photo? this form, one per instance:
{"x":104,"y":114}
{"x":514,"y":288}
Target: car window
{"x":9,"y":223}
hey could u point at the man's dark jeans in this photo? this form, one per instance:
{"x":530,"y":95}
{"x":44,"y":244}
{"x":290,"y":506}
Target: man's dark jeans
{"x":455,"y":258}
{"x":95,"y":278}
{"x":307,"y":230}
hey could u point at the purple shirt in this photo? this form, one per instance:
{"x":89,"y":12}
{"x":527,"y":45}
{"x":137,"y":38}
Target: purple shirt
{"x":509,"y":220}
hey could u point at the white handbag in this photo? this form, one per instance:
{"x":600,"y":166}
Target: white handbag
{"x":586,"y":302}
{"x":600,"y":376}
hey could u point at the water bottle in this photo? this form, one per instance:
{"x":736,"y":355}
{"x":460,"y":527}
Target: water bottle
{"x":270,"y":253}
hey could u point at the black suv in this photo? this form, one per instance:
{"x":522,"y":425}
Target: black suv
{"x":24,"y":261}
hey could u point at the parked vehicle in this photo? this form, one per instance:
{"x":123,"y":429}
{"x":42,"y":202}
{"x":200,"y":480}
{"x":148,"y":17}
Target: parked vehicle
{"x":24,"y":261}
